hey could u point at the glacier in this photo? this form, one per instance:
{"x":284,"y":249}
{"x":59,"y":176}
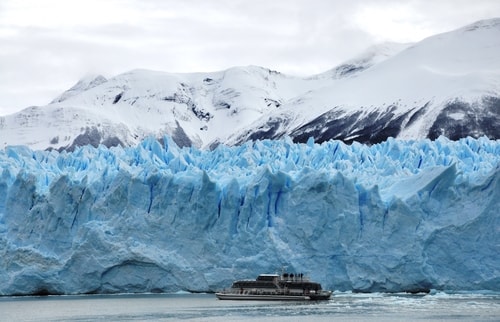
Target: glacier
{"x":395,"y":216}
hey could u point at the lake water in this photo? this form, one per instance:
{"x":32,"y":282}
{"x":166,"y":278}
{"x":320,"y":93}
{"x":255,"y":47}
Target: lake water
{"x":205,"y":307}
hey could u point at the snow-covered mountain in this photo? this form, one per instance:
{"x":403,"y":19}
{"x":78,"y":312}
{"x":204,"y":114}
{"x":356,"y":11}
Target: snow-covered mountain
{"x":194,"y":109}
{"x":448,"y":84}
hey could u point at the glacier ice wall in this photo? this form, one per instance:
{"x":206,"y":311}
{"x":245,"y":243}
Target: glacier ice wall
{"x":396,"y":216}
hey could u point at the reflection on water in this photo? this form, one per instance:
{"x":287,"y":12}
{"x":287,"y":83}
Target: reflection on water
{"x":205,"y":307}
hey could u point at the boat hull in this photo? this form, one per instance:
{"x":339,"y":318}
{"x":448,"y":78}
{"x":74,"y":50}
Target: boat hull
{"x":272,"y":297}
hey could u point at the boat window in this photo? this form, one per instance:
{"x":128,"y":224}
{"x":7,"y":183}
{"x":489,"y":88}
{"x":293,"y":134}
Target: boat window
{"x":266,"y":277}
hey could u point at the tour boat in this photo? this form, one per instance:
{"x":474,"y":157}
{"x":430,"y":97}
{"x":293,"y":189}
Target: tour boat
{"x":284,"y":287}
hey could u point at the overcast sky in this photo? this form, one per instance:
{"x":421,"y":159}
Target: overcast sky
{"x":47,"y":46}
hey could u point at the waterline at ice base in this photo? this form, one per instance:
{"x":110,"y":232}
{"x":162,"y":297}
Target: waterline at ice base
{"x":398,"y":216}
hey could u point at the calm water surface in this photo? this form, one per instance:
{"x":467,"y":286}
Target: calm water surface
{"x":205,"y":307}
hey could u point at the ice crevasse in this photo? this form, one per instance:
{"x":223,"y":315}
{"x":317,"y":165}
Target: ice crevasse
{"x":395,"y":216}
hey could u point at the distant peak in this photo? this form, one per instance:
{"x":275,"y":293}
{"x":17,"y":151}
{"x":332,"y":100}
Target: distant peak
{"x":379,"y":52}
{"x":82,"y":85}
{"x":371,"y":56}
{"x":89,"y":82}
{"x":483,"y":24}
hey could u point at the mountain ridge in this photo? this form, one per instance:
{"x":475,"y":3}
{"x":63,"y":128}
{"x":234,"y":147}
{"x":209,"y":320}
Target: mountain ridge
{"x":447,"y":84}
